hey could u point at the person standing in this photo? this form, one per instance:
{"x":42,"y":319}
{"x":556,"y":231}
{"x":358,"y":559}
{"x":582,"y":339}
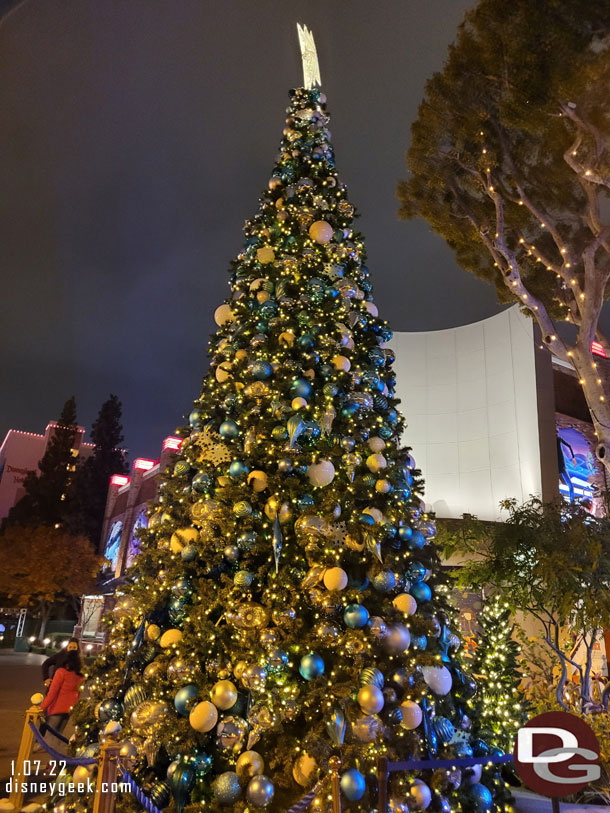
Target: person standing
{"x":57,"y":660}
{"x":63,"y":693}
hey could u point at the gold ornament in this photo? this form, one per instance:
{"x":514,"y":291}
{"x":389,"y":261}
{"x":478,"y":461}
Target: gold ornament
{"x":249,"y":764}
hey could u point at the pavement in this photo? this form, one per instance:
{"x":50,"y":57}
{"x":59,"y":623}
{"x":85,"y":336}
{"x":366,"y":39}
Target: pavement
{"x":20,"y":678}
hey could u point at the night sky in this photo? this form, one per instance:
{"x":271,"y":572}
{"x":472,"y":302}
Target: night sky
{"x":136,"y":137}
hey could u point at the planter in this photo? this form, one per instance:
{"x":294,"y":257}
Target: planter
{"x":528,"y":802}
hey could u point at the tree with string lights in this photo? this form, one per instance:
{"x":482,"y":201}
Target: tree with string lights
{"x":498,"y":702}
{"x":510,"y":163}
{"x":288,"y":605}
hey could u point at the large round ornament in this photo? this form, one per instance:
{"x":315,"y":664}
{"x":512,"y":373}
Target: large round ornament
{"x":481,"y":797}
{"x":405,"y":603}
{"x":204,"y":716}
{"x":304,"y":769}
{"x":371,"y":676}
{"x":384,"y":581}
{"x":438,"y":678}
{"x":110,"y":709}
{"x":184,"y":697}
{"x":412,"y":714}
{"x":248,"y":765}
{"x":147,"y":714}
{"x":353,"y":785}
{"x":231,"y":734}
{"x":421,"y":794}
{"x":226,"y":788}
{"x":321,"y":474}
{"x":183,"y":537}
{"x":335,"y":578}
{"x":355,"y":616}
{"x":421,"y":591}
{"x":229,"y":429}
{"x":223,"y":694}
{"x":260,"y":791}
{"x":258,"y":480}
{"x":265,"y":255}
{"x":397,"y":639}
{"x":321,"y":232}
{"x":170,"y":638}
{"x":376,"y":462}
{"x":370,"y":699}
{"x":311,"y":666}
{"x":223,"y":314}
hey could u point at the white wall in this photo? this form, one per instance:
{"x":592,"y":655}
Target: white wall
{"x":469,"y":398}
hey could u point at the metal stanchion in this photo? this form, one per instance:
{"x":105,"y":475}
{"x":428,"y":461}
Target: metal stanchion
{"x":107,"y":771}
{"x":32,"y":715}
{"x":334,"y":763}
{"x":382,"y":781}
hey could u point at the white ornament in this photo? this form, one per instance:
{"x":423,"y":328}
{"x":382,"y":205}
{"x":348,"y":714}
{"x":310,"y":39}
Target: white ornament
{"x":376,"y":444}
{"x":412,"y":715}
{"x":398,"y":638}
{"x":371,"y":307}
{"x":321,"y":474}
{"x":438,"y":679}
{"x":335,"y":578}
{"x":342,"y":363}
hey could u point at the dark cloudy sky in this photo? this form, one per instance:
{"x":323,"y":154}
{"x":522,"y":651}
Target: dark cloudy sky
{"x":135,"y":138}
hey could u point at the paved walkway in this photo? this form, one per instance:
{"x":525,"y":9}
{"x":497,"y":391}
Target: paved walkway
{"x":20,"y":678}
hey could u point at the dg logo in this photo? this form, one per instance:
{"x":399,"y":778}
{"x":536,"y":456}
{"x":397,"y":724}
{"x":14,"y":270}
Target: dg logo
{"x":557,"y":754}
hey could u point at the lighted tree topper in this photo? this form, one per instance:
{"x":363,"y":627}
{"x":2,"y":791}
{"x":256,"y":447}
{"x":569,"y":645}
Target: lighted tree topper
{"x":287,"y":605}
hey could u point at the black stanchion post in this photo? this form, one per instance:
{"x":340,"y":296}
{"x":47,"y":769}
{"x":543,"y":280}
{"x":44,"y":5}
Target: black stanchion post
{"x":382,"y":781}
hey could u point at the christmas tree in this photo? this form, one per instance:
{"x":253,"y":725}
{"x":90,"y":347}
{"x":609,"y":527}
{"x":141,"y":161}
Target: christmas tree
{"x":288,"y":603}
{"x":498,"y":703}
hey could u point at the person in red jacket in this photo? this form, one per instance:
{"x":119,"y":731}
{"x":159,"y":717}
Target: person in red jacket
{"x":62,"y":694}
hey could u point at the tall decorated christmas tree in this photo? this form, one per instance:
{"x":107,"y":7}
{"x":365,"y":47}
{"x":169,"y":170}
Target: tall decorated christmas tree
{"x":288,"y":604}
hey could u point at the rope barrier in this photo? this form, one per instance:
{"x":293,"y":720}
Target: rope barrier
{"x":304,"y":803}
{"x":137,"y":791}
{"x":433,"y":764}
{"x":56,"y":733}
{"x":56,"y":754}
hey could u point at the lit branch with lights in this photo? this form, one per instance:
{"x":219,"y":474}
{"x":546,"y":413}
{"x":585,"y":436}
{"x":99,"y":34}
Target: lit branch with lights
{"x":510,"y":162}
{"x":288,"y":605}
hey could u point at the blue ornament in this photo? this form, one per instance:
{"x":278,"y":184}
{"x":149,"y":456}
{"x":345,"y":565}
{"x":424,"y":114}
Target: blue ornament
{"x":181,"y":781}
{"x":183,"y":699}
{"x":419,"y":641}
{"x":229,"y":429}
{"x":202,"y":762}
{"x":189,"y":553}
{"x":202,"y":482}
{"x":196,"y":418}
{"x":366,"y":519}
{"x":353,"y":785}
{"x":305,"y":501}
{"x":238,"y":469}
{"x":443,"y":728}
{"x":481,"y":797}
{"x":330,"y":390}
{"x":416,"y":571}
{"x":405,"y":533}
{"x":371,"y":676}
{"x":311,"y":666}
{"x":336,"y":727}
{"x":417,"y":541}
{"x":356,"y":616}
{"x":421,"y":591}
{"x":462,"y":750}
{"x":384,"y":581}
{"x":479,"y":748}
{"x":261,"y":370}
{"x":300,"y":388}
{"x":384,"y":432}
{"x":394,"y":716}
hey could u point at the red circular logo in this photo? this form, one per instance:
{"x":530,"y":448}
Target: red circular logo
{"x":557,"y":754}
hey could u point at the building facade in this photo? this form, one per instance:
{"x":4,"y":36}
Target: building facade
{"x":21,"y":453}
